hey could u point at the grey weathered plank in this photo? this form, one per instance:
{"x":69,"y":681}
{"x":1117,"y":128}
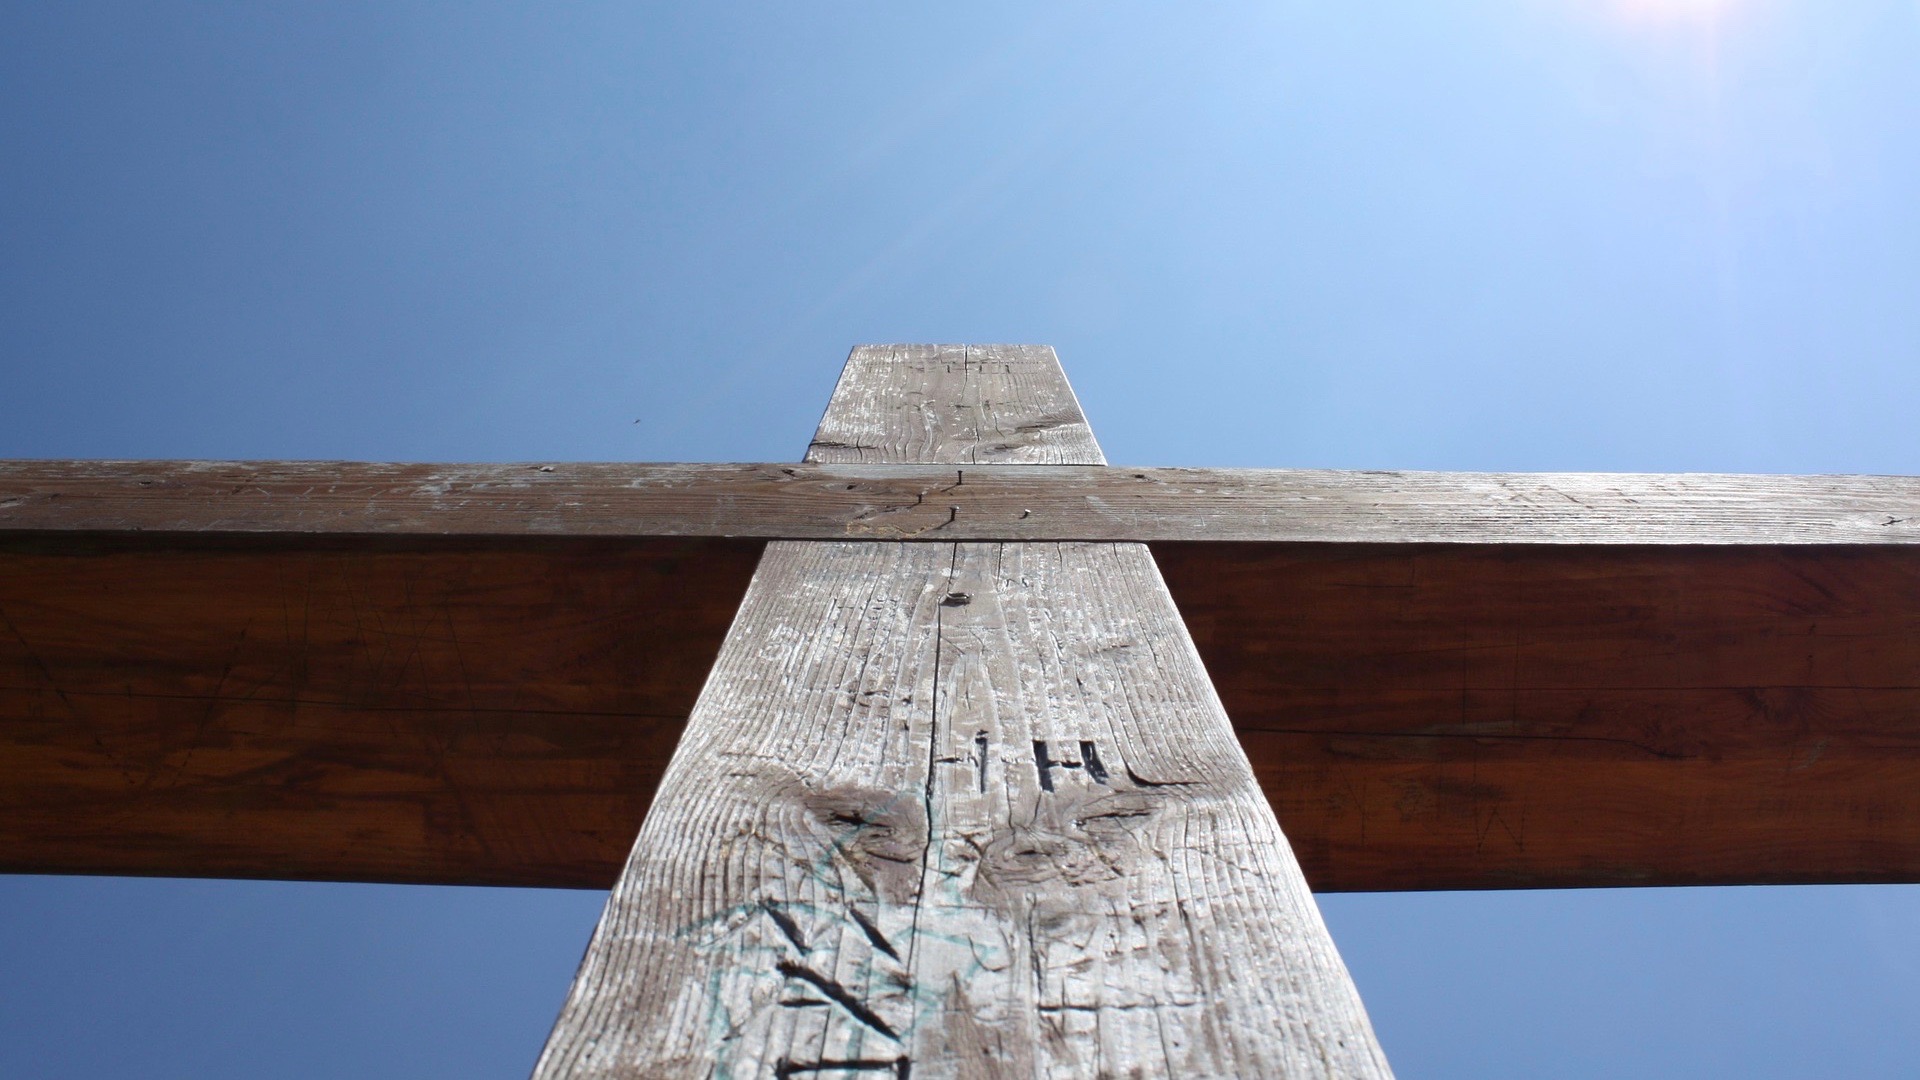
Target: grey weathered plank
{"x":937,"y":502}
{"x":859,"y":853}
{"x":965,"y":404}
{"x":959,"y":810}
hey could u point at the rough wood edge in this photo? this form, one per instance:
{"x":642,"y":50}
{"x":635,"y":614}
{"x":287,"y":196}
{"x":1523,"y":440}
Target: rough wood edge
{"x":950,"y":503}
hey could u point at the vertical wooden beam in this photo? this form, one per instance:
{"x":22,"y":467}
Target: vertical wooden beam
{"x":960,"y":810}
{"x":954,"y":404}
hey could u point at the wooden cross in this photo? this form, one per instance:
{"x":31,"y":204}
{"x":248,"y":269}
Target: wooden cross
{"x":957,"y":798}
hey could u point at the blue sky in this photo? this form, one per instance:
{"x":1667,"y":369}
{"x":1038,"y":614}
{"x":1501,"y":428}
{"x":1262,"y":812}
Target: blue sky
{"x":1653,"y":235}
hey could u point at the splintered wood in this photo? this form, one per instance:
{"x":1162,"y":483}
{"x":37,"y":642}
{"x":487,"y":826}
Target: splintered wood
{"x":960,"y":810}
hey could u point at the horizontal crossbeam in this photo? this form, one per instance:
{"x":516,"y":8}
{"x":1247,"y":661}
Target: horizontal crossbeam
{"x":498,"y":710}
{"x":949,"y":503}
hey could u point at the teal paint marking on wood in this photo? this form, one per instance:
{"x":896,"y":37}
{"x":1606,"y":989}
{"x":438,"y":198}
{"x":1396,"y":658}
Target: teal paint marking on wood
{"x":860,"y":862}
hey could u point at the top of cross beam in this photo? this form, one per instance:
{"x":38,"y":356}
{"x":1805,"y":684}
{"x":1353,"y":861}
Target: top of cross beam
{"x":936,"y":502}
{"x":984,"y":442}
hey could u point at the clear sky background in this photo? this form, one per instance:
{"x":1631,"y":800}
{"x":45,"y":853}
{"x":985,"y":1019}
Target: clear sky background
{"x":1654,"y":235}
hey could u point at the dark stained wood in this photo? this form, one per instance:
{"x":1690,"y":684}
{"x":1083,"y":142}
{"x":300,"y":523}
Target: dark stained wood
{"x":959,"y":810}
{"x":1664,"y":725}
{"x":1460,"y":717}
{"x":448,"y":711}
{"x":845,"y":495}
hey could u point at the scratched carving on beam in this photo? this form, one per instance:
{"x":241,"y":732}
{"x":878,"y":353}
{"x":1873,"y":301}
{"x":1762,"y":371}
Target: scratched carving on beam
{"x":1006,"y":836}
{"x":960,"y":810}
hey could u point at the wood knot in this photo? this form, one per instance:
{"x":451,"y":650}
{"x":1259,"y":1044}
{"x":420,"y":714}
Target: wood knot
{"x":880,"y":835}
{"x":956,"y":599}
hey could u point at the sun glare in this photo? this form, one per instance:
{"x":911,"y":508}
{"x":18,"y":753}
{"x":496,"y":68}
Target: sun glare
{"x":1671,"y":11}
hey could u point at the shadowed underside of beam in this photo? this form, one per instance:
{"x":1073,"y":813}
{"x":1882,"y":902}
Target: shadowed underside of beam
{"x":458,"y":712}
{"x":1561,"y":716}
{"x":1420,"y":716}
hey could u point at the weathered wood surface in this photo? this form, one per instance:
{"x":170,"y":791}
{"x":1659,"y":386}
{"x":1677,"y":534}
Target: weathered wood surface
{"x":1449,"y":716}
{"x":959,"y":810}
{"x":954,"y":404}
{"x":841,"y":498}
{"x":1005,"y":837}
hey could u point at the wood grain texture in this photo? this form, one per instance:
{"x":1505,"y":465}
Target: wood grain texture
{"x":961,"y":810}
{"x":1006,"y":837}
{"x":488,"y":692}
{"x":447,"y":712}
{"x":995,"y":501}
{"x":1466,"y":717}
{"x":954,"y":404}
{"x":464,"y":712}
